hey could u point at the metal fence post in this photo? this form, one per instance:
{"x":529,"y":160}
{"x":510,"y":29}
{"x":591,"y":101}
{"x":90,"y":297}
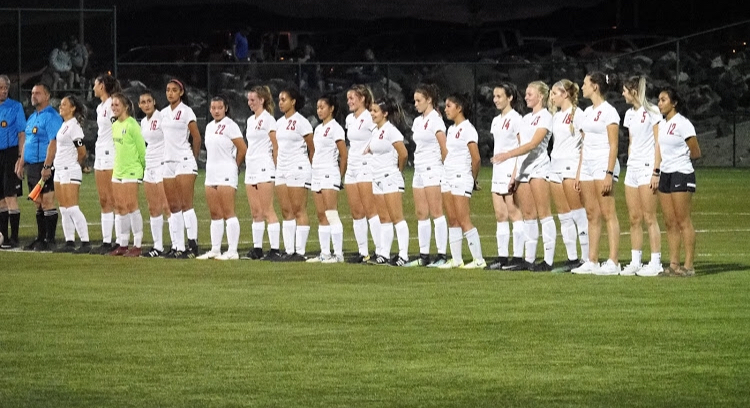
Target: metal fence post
{"x":18,"y":97}
{"x":734,"y":140}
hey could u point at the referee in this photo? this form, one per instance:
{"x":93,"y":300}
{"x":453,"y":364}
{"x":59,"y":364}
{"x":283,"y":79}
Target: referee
{"x":39,"y":152}
{"x":12,"y":125}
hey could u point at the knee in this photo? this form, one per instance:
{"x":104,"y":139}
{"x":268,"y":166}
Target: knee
{"x":635,"y":219}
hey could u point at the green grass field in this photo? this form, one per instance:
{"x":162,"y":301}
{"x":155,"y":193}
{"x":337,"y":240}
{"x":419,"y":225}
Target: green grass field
{"x":91,"y":331}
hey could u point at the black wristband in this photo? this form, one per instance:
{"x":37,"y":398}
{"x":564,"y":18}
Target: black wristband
{"x":611,"y":173}
{"x":657,"y":171}
{"x":46,"y":167}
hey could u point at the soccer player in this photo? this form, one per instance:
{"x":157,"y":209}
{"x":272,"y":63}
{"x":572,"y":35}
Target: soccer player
{"x":69,"y":155}
{"x":178,"y":122}
{"x":41,"y":128}
{"x":294,"y":136}
{"x":533,"y":166}
{"x":358,"y":177}
{"x":598,"y":170}
{"x":152,"y":175}
{"x":505,"y":130}
{"x":12,"y":140}
{"x":640,"y":182}
{"x":225,"y":149}
{"x":328,"y":167}
{"x":428,"y":184}
{"x":677,"y":147}
{"x":129,"y":163}
{"x":566,"y":152}
{"x":388,"y":159}
{"x":260,"y":172}
{"x":104,"y":87}
{"x":462,"y":163}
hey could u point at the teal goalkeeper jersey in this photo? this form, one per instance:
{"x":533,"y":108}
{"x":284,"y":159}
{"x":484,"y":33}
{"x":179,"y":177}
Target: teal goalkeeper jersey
{"x":130,"y":150}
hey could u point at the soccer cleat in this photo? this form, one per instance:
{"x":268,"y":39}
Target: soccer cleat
{"x":680,"y":272}
{"x":423,"y":260}
{"x":119,"y":251}
{"x":398,"y":261}
{"x":631,"y":269}
{"x":183,"y":255}
{"x":450,"y":264}
{"x":102,"y":249}
{"x":587,"y":268}
{"x":378,"y":260}
{"x":318,"y":259}
{"x":192,"y":247}
{"x":133,"y":252}
{"x":208,"y":255}
{"x":568,"y":266}
{"x":359,"y":259}
{"x":516,"y":264}
{"x":334,"y":259}
{"x":441,"y":259}
{"x":295,"y":257}
{"x":153,"y":253}
{"x":254,"y":254}
{"x":32,"y":245}
{"x":541,"y":266}
{"x":43,"y":246}
{"x":273,"y":255}
{"x":475,"y":264}
{"x":228,"y":256}
{"x":170,"y":253}
{"x":9,"y":244}
{"x":497,"y":264}
{"x":650,"y":270}
{"x":608,"y":268}
{"x":68,"y":248}
{"x":85,"y":248}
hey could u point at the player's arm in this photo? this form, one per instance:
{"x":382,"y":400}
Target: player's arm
{"x":343,"y":156}
{"x":476,"y":160}
{"x":402,"y":154}
{"x":47,"y":166}
{"x":239,"y":143}
{"x":274,"y":146}
{"x":695,"y":149}
{"x":539,"y":135}
{"x":310,"y":146}
{"x":197,"y":140}
{"x":441,"y":138}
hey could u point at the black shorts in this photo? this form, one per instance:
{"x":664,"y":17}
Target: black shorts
{"x":10,"y":184}
{"x":677,"y":183}
{"x":34,"y":174}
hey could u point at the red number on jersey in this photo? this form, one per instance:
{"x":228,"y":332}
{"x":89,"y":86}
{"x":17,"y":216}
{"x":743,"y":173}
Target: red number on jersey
{"x":670,"y":131}
{"x":154,"y":124}
{"x":220,"y":129}
{"x":598,"y":114}
{"x":65,"y":130}
{"x":535,"y":122}
{"x":643,"y":119}
{"x":382,"y":132}
{"x":458,"y":134}
{"x":506,"y":124}
{"x":177,"y":116}
{"x":259,"y":125}
{"x":567,"y":119}
{"x":291,"y":125}
{"x":326,"y":132}
{"x":426,"y":123}
{"x":361,"y":121}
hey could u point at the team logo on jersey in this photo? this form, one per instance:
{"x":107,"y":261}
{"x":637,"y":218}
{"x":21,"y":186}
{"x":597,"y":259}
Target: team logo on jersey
{"x":3,"y":124}
{"x":34,"y":130}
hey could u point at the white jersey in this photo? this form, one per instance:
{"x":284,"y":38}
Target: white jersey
{"x":594,"y":126}
{"x":326,"y":151}
{"x":675,"y":153}
{"x":259,"y":146}
{"x":531,"y":123}
{"x":290,"y":133}
{"x":67,"y":152}
{"x":458,"y":159}
{"x":221,"y":153}
{"x":384,"y":155}
{"x":174,"y":124}
{"x":505,"y":130}
{"x":427,"y":151}
{"x":154,"y":137}
{"x":104,"y":117}
{"x":641,"y":123}
{"x":359,"y":132}
{"x":567,"y":143}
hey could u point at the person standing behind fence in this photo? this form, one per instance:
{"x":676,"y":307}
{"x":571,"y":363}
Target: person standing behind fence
{"x":678,"y":145}
{"x":178,"y":122}
{"x":12,"y":140}
{"x":39,"y":151}
{"x":641,"y":181}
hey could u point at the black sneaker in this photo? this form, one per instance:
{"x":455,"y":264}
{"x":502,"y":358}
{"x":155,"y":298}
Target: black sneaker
{"x":32,"y":245}
{"x":273,"y":255}
{"x":255,"y":254}
{"x":441,"y":259}
{"x":67,"y":248}
{"x":192,"y":247}
{"x":169,"y":254}
{"x":498,"y":264}
{"x":358,"y":259}
{"x":187,"y":254}
{"x":85,"y":248}
{"x":152,"y":253}
{"x":517,"y":264}
{"x":44,"y":246}
{"x":102,"y":249}
{"x":9,"y":244}
{"x":378,"y":260}
{"x":295,"y":257}
{"x":398,"y":261}
{"x":541,"y":266}
{"x":568,"y":266}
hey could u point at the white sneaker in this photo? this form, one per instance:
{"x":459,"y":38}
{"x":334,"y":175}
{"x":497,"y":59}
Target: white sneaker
{"x":228,"y":256}
{"x":608,"y":268}
{"x":334,"y":259}
{"x":318,"y":259}
{"x":208,"y":255}
{"x":650,"y":270}
{"x":451,"y":264}
{"x":475,"y":264}
{"x":587,"y":268}
{"x":631,"y":269}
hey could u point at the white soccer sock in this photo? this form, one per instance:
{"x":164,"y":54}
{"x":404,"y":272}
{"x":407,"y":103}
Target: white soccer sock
{"x":136,"y":225}
{"x":118,"y":233}
{"x":475,"y":247}
{"x":191,"y":224}
{"x":386,"y":239}
{"x":441,"y":234}
{"x":177,"y":230}
{"x":360,"y":234}
{"x":424,"y":235}
{"x":324,"y":236}
{"x":655,"y":258}
{"x":258,"y":230}
{"x":569,"y":234}
{"x":157,"y":232}
{"x":582,"y":223}
{"x":79,"y":220}
{"x":122,"y":222}
{"x":636,"y":256}
{"x":337,"y":232}
{"x":549,"y":237}
{"x":532,"y":237}
{"x":69,"y":229}
{"x":273,"y":234}
{"x":519,"y":238}
{"x":503,"y":238}
{"x":233,"y":234}
{"x":402,"y":234}
{"x":108,"y":220}
{"x":456,"y":238}
{"x":217,"y":234}
{"x":172,"y":239}
{"x":377,"y":239}
{"x":288,"y":232}
{"x":303,"y":231}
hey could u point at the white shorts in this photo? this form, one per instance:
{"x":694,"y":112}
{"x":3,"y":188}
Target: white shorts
{"x":358,"y":173}
{"x":536,"y":170}
{"x":501,"y":175}
{"x":561,"y":169}
{"x":596,"y":169}
{"x":262,"y":175}
{"x":297,"y":176}
{"x":388,"y":183}
{"x":187,"y":165}
{"x":639,"y":175}
{"x":431,"y":176}
{"x":222,"y":176}
{"x":68,"y":175}
{"x":326,"y":180}
{"x":153,"y":174}
{"x":125,"y":181}
{"x":105,"y":159}
{"x":461,"y":185}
